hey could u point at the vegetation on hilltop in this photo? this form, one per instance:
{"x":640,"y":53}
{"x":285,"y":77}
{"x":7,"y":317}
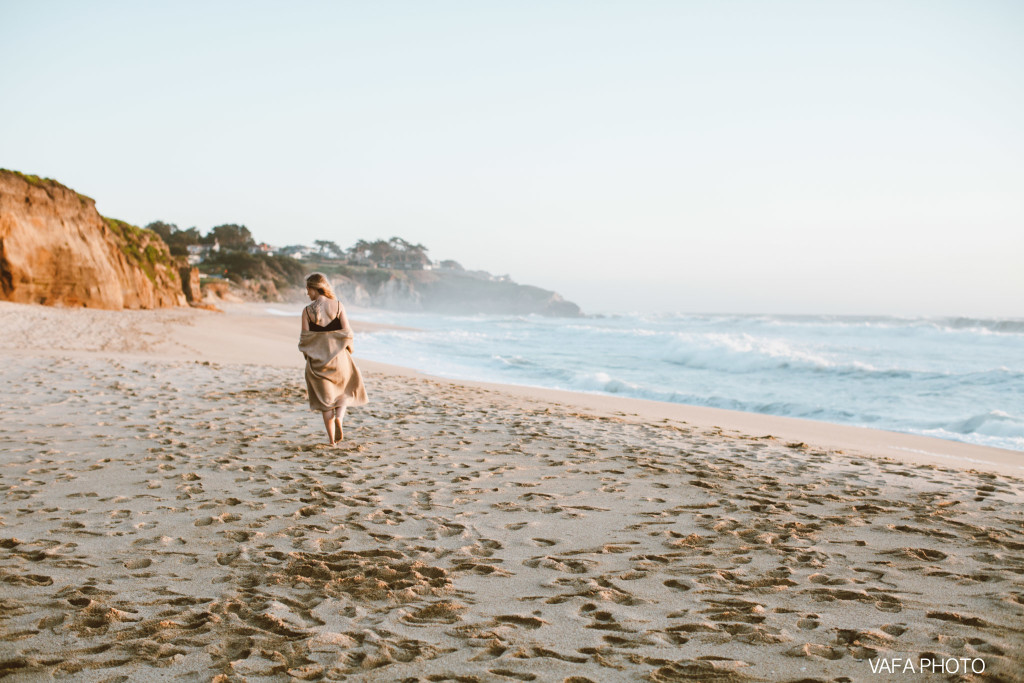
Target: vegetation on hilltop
{"x":143,"y":248}
{"x":230,"y":236}
{"x":45,"y":183}
{"x":395,"y":250}
{"x":236,"y":258}
{"x":370,"y":277}
{"x":31,"y":179}
{"x":237,"y":266}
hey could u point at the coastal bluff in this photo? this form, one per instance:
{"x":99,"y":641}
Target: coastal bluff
{"x":56,"y":249}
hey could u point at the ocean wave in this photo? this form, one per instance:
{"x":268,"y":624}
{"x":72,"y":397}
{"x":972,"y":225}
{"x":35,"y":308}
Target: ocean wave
{"x":913,"y":375}
{"x":1012,"y":443}
{"x":992,"y":423}
{"x":915,"y":324}
{"x":848,"y":322}
{"x":744,"y":353}
{"x":279,"y":312}
{"x":602,"y":381}
{"x":1008,"y":326}
{"x":514,"y":361}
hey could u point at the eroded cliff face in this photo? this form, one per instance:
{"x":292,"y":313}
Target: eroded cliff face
{"x":56,"y":249}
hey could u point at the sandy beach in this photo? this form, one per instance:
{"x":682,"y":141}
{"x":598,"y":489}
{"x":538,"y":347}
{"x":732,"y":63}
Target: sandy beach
{"x":170,"y":512}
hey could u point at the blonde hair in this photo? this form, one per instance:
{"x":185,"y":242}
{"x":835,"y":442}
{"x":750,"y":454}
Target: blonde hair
{"x":321,"y":284}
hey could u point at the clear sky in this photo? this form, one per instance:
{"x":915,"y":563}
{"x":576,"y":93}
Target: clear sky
{"x":771,"y":157}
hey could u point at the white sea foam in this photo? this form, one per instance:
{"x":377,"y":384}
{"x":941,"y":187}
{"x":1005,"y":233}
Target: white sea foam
{"x":278,"y":311}
{"x":951,"y":378}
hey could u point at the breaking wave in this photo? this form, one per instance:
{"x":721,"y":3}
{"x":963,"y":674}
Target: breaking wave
{"x":955,"y":378}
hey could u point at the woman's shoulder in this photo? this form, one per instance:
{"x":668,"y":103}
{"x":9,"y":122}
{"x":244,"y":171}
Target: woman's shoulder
{"x":331,"y":308}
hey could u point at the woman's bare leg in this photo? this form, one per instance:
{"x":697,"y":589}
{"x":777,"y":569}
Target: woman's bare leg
{"x":329,"y":424}
{"x":339,"y":417}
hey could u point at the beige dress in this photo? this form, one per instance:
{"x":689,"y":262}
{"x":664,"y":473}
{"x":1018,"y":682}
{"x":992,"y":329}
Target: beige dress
{"x":332,"y":378}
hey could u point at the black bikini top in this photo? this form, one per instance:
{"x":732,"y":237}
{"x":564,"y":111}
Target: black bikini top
{"x":329,"y":327}
{"x":332,"y":326}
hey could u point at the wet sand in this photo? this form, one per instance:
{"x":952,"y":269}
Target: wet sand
{"x":170,"y":511}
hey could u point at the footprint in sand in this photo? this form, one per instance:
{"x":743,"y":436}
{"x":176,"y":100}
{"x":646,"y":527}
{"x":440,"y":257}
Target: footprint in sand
{"x":228,"y":558}
{"x":678,"y":585}
{"x":895,"y":630}
{"x":517,"y":675}
{"x":517,"y":620}
{"x":809,"y":622}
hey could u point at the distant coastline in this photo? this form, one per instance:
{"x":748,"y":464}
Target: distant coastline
{"x":59,"y":250}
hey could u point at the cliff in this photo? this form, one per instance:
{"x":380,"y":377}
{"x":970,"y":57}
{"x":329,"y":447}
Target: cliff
{"x":56,"y":249}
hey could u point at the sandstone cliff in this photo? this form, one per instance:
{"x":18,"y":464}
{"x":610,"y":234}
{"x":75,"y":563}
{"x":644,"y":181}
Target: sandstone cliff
{"x":56,"y":249}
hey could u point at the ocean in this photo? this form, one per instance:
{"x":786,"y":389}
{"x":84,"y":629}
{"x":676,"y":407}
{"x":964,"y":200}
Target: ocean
{"x":951,"y":378}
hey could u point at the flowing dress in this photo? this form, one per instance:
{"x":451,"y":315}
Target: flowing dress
{"x":332,"y":378}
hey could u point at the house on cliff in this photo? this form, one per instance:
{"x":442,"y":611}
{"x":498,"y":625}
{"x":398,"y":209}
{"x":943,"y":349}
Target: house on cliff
{"x":262,"y":248}
{"x":197,"y":253}
{"x":297,"y":251}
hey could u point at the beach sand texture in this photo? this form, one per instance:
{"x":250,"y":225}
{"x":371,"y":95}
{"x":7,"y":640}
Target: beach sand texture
{"x":166,"y":518}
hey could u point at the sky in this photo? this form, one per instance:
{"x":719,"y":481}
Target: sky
{"x":837,"y":157}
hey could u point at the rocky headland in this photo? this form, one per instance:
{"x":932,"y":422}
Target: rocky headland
{"x":451,"y":292}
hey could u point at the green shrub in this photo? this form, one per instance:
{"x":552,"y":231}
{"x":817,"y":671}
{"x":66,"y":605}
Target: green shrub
{"x":141,"y":247}
{"x":236,"y":266}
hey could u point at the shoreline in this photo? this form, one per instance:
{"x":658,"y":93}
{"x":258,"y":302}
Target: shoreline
{"x":248,"y":334}
{"x":838,"y":438}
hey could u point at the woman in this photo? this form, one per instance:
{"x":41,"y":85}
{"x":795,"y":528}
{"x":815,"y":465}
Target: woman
{"x":332,"y":378}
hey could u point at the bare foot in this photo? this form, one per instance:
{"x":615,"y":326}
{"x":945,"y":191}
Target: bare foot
{"x":339,"y":430}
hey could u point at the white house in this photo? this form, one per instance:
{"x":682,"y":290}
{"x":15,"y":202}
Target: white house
{"x":298,"y":251}
{"x":197,"y":253}
{"x":262,"y":248}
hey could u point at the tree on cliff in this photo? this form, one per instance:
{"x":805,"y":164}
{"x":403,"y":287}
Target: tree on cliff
{"x":328,"y":248}
{"x":238,"y":265}
{"x":375,"y":251}
{"x":177,"y":240}
{"x":394,"y":250}
{"x":231,"y":237}
{"x":165,"y":230}
{"x":406,"y":252}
